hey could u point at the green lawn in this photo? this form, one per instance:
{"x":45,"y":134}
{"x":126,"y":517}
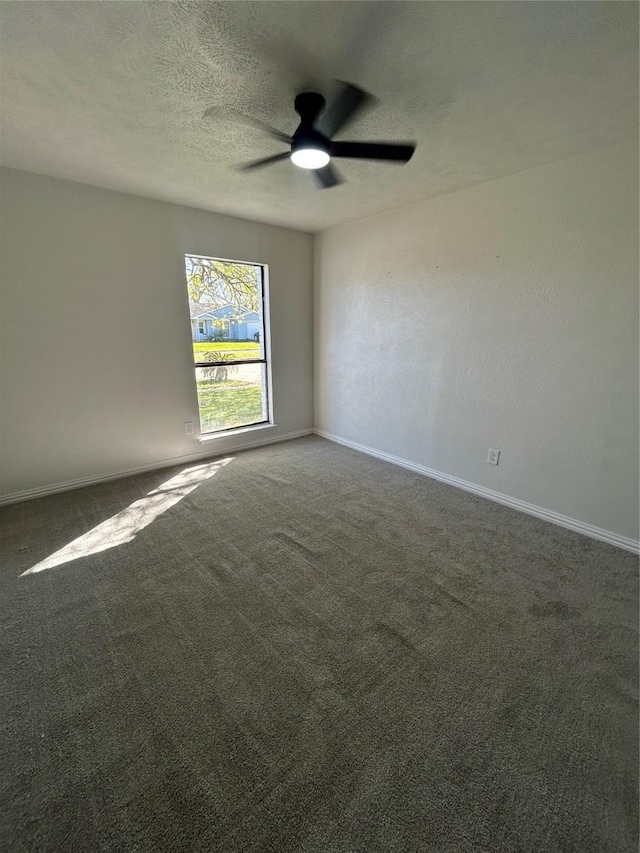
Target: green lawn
{"x":240,"y":349}
{"x":228,"y":404}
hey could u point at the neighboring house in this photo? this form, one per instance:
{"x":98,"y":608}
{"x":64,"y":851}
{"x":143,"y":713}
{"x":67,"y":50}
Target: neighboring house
{"x":226,"y":322}
{"x":245,"y":327}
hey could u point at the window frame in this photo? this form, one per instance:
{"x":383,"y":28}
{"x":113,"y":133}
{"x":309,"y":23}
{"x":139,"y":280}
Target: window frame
{"x":265,"y":348}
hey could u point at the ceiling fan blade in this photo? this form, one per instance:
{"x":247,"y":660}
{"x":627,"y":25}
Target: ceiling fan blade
{"x":266,"y":161}
{"x":392,"y":151}
{"x":343,"y":109}
{"x":327,"y":177}
{"x":227,"y":113}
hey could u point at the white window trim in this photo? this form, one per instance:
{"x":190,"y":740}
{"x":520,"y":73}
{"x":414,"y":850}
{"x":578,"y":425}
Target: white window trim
{"x":211,"y":436}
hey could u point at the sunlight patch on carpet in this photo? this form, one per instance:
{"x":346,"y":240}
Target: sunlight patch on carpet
{"x":123,"y":527}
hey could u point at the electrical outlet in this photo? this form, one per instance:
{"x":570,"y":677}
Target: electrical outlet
{"x":188,"y":427}
{"x":494,"y":457}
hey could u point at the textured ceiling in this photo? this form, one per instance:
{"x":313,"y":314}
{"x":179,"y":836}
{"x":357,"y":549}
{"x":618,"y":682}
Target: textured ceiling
{"x":113,"y":94}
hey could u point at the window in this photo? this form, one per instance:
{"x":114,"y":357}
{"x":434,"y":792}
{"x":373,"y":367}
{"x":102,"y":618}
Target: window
{"x":231,"y":365}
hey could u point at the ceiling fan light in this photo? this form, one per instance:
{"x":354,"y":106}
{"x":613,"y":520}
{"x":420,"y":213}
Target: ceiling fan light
{"x":310,"y":158}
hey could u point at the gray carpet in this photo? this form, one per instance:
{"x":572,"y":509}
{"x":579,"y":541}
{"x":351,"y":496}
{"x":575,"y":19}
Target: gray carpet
{"x":307,"y":649}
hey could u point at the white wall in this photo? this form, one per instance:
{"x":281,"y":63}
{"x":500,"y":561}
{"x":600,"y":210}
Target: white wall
{"x":96,"y":371}
{"x":501,"y":316}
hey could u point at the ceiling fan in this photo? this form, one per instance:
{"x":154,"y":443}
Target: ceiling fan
{"x":312,"y":146}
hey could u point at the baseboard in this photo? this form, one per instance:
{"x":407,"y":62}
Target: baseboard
{"x":531,"y":509}
{"x":69,"y":485}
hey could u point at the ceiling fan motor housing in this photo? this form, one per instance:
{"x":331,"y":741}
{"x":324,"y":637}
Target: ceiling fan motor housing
{"x":309,"y":105}
{"x":307,"y":137}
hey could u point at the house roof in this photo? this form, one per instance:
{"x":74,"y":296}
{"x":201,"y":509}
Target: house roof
{"x":199,"y":310}
{"x":196,"y":309}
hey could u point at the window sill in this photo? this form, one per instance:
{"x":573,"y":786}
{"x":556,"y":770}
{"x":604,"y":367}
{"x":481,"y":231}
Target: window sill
{"x":240,"y":431}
